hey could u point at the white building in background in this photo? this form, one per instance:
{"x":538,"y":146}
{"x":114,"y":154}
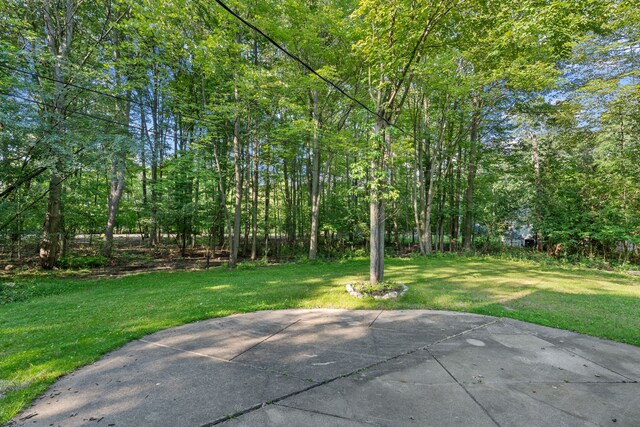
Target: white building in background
{"x":518,"y":236}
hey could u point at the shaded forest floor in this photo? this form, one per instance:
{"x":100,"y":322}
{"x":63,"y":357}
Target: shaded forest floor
{"x":132,"y":255}
{"x":51,"y":325}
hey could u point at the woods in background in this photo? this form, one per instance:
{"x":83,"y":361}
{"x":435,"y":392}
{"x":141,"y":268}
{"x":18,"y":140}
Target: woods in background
{"x":464,"y":121}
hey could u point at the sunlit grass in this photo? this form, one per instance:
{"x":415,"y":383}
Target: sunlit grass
{"x":75,"y":322}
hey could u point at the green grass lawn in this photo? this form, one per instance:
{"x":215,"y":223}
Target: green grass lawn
{"x":72,"y":322}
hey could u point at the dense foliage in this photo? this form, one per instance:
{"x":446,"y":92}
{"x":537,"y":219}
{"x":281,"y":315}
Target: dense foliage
{"x":175,"y":121}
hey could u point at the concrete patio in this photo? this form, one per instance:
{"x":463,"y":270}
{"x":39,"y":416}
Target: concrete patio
{"x":352,"y":368}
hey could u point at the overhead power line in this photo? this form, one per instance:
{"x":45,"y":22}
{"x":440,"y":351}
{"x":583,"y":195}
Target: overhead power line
{"x":80,"y":113}
{"x":71,"y":84}
{"x":253,"y":27}
{"x":310,"y":68}
{"x":39,"y":171}
{"x":37,"y":200}
{"x":92,"y":90}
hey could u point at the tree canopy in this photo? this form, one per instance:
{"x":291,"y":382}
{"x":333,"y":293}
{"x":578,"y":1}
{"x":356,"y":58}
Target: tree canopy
{"x":320,"y":127}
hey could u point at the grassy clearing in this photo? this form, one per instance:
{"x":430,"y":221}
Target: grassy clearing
{"x":60,"y":324}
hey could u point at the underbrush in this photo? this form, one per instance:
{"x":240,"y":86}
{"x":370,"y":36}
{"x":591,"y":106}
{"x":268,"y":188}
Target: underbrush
{"x":566,"y":260}
{"x":83,"y":262}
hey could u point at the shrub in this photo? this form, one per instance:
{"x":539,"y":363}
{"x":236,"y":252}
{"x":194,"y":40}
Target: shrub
{"x":83,"y":262}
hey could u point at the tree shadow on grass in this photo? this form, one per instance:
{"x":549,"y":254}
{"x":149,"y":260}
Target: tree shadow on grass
{"x":603,"y":315}
{"x":52,"y":335}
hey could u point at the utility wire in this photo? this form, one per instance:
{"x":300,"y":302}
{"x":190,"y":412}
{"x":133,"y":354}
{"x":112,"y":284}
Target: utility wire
{"x":310,"y":68}
{"x":81,"y":113}
{"x":77,"y":86}
{"x":39,"y":171}
{"x":256,"y":29}
{"x":38,"y":199}
{"x":96,"y":91}
{"x":253,"y":27}
{"x":126,"y":99}
{"x":33,"y":174}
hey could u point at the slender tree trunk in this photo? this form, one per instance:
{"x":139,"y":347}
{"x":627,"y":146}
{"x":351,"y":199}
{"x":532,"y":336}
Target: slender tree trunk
{"x":143,"y":152}
{"x":234,"y":241}
{"x":424,"y":171}
{"x":267,"y":195}
{"x":443,"y":199}
{"x":315,"y":179}
{"x":247,"y":177}
{"x":427,"y":236}
{"x":451,"y":201}
{"x":59,"y":39}
{"x":50,"y":241}
{"x":296,"y":221}
{"x":538,"y":182}
{"x":418,"y":192}
{"x":455,"y":215}
{"x":289,"y":208}
{"x":254,"y":201}
{"x":115,"y":194}
{"x":467,"y":224}
{"x":396,"y":227}
{"x":219,"y":225}
{"x":153,"y":232}
{"x":376,"y":206}
{"x":118,"y":161}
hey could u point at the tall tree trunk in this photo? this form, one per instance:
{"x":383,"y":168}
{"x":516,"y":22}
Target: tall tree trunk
{"x":538,"y":183}
{"x":315,"y":178}
{"x":113,"y":201}
{"x":376,"y":206}
{"x":267,"y":195}
{"x":50,"y":241}
{"x":295,"y":199}
{"x":427,"y":236}
{"x":396,"y":227}
{"x":467,"y":224}
{"x":247,"y":177}
{"x":418,"y":192}
{"x":59,"y":38}
{"x":451,"y":202}
{"x":118,"y":160}
{"x":143,"y":152}
{"x":455,"y":213}
{"x":153,"y":232}
{"x":221,"y":196}
{"x":254,"y":201}
{"x":289,"y":207}
{"x":234,"y":241}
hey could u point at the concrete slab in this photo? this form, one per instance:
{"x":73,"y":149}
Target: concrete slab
{"x":277,"y":415}
{"x":434,"y":325}
{"x":305,"y":361}
{"x":560,"y":404}
{"x":484,"y":357}
{"x":340,"y":317}
{"x":224,"y":338}
{"x":621,"y":358}
{"x":351,"y":368}
{"x":362,"y":340}
{"x":147,"y":385}
{"x":412,"y":391}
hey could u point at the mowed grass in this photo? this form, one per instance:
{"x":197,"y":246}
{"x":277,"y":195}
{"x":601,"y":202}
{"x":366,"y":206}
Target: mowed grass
{"x":76,"y":322}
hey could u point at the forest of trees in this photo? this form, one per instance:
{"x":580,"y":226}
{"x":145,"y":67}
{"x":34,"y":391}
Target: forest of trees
{"x":427,"y":126}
